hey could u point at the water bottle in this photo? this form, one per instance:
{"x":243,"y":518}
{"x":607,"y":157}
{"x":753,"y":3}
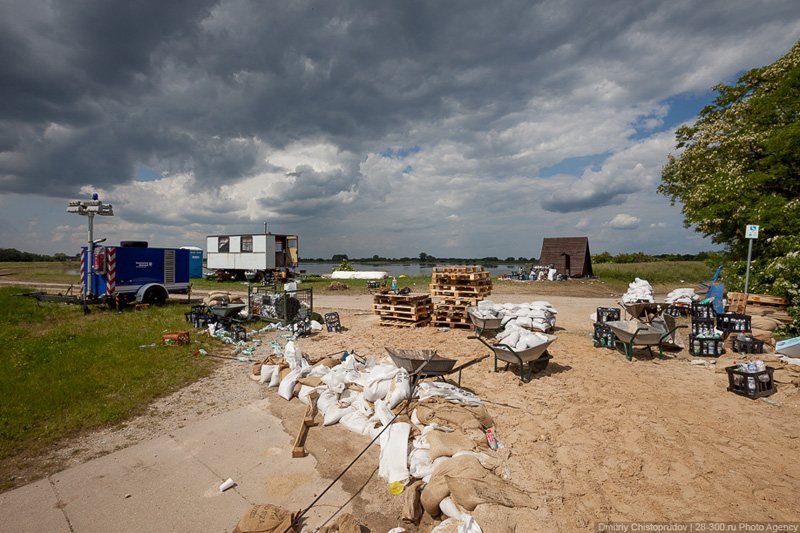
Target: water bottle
{"x":751,"y":384}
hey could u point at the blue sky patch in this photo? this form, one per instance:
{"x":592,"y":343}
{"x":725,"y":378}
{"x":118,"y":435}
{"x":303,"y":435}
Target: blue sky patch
{"x":400,"y":153}
{"x":145,"y":173}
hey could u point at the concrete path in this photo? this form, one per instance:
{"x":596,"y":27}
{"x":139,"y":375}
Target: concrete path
{"x":171,"y":483}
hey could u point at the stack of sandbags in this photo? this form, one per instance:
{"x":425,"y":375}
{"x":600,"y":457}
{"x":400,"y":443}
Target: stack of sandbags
{"x":539,"y":315}
{"x":220,"y":298}
{"x":519,"y":338}
{"x":681,"y":296}
{"x":639,"y":290}
{"x":763,"y":327}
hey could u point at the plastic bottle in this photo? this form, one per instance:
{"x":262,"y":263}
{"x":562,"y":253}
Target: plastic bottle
{"x":394,"y":283}
{"x":751,"y":384}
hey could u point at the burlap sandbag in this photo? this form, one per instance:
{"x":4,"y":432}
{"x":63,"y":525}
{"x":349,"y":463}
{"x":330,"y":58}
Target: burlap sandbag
{"x":345,"y":523}
{"x":446,"y":444}
{"x":762,"y":334}
{"x":453,"y":415}
{"x":330,"y":362}
{"x":310,"y":381}
{"x":266,"y":519}
{"x":412,"y":507}
{"x":763,"y":322}
{"x":469,"y":493}
{"x":463,"y":467}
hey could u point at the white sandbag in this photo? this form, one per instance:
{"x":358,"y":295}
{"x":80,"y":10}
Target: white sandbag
{"x":319,"y":371}
{"x":335,"y":381}
{"x":326,"y":400}
{"x":316,"y":326}
{"x":293,"y":356}
{"x":286,"y":388}
{"x":383,"y":413}
{"x":523,"y":321}
{"x":420,"y":464}
{"x":486,"y":305}
{"x":512,"y":338}
{"x":393,"y":465}
{"x":266,"y":373}
{"x":275,"y":380}
{"x":335,"y":413}
{"x":400,"y":388}
{"x":361,"y":405}
{"x":377,"y":383}
{"x":304,"y":394}
{"x":356,"y":422}
{"x":448,"y":391}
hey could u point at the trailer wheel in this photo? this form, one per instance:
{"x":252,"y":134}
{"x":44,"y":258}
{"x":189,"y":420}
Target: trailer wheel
{"x":155,"y":296}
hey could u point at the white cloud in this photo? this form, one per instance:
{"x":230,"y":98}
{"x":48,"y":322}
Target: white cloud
{"x":623,"y":221}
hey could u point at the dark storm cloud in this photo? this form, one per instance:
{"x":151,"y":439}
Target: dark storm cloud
{"x":577,"y":198}
{"x":93,"y":89}
{"x":311,"y":192}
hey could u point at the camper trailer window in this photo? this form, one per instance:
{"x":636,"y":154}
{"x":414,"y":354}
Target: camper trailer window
{"x":224,"y":244}
{"x":247,"y":243}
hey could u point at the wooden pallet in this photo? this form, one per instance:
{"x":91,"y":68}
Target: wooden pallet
{"x":400,"y":299}
{"x":402,"y":308}
{"x":461,"y":277}
{"x":759,"y":305}
{"x":460,"y":294}
{"x":466,"y":269}
{"x":405,"y":323}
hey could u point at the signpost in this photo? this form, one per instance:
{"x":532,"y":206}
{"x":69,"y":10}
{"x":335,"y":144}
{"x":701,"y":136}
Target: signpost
{"x":750,"y":233}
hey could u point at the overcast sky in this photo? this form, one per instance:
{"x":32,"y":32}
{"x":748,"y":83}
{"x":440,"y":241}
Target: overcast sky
{"x":452,"y":128}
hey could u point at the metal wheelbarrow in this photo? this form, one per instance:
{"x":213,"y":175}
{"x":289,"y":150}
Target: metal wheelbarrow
{"x":536,"y":357}
{"x":633,"y":332}
{"x":427,"y":363}
{"x":226,"y":310}
{"x":485,"y":325}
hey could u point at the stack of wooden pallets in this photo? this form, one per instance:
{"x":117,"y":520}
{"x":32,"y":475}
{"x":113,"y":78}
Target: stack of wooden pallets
{"x":759,"y":305}
{"x":458,"y":288}
{"x":403,"y":310}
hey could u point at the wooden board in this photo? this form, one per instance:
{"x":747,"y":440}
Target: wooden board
{"x":449,"y":324}
{"x":298,"y":449}
{"x":395,"y":322}
{"x":459,"y":269}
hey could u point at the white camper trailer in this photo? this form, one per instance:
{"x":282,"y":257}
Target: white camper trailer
{"x":266,"y":255}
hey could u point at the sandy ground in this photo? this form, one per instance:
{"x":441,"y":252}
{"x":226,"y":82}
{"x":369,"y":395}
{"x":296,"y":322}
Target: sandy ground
{"x":592,"y":438}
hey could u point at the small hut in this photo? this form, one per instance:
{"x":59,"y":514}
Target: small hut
{"x":569,"y":255}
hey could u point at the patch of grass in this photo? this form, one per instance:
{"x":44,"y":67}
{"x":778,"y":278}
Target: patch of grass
{"x":62,"y":371}
{"x":43,"y":271}
{"x":689,"y":273}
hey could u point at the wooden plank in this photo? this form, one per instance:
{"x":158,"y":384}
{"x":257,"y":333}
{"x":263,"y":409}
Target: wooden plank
{"x":298,"y":449}
{"x":764,"y":299}
{"x":401,"y":308}
{"x":405,"y":323}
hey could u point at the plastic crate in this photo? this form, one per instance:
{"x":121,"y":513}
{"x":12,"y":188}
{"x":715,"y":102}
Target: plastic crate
{"x":677,"y":311}
{"x":607,"y":314}
{"x":703,"y":327}
{"x":702,"y":310}
{"x":706,"y":346}
{"x":729,"y":322}
{"x":747,"y":345}
{"x":603,"y":336}
{"x":738,"y":382}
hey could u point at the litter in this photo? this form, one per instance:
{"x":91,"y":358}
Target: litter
{"x":228,"y":483}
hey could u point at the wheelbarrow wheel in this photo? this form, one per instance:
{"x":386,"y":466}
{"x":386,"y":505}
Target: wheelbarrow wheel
{"x":539,"y":366}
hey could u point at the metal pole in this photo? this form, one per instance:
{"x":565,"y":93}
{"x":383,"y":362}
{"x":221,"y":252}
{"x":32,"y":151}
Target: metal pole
{"x":90,"y":259}
{"x":747,"y":272}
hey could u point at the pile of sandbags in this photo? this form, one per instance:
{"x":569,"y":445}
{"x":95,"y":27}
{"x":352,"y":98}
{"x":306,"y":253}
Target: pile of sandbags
{"x":639,"y":291}
{"x":762,"y":328}
{"x":519,"y":338}
{"x":681,"y":296}
{"x":539,"y":316}
{"x":442,"y":443}
{"x":220,"y":298}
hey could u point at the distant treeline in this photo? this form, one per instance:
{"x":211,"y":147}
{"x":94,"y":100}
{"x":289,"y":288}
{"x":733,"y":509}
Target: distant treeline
{"x":12,"y":254}
{"x":603,"y":257}
{"x":641,"y":257}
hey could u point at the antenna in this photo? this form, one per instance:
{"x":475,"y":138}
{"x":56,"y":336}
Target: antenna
{"x":265,"y":227}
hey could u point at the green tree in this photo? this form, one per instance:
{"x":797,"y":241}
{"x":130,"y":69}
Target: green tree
{"x":740,"y":164}
{"x":740,"y":161}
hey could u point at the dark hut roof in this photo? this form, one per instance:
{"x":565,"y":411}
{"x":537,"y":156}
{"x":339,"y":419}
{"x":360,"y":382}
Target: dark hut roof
{"x":555,"y":251}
